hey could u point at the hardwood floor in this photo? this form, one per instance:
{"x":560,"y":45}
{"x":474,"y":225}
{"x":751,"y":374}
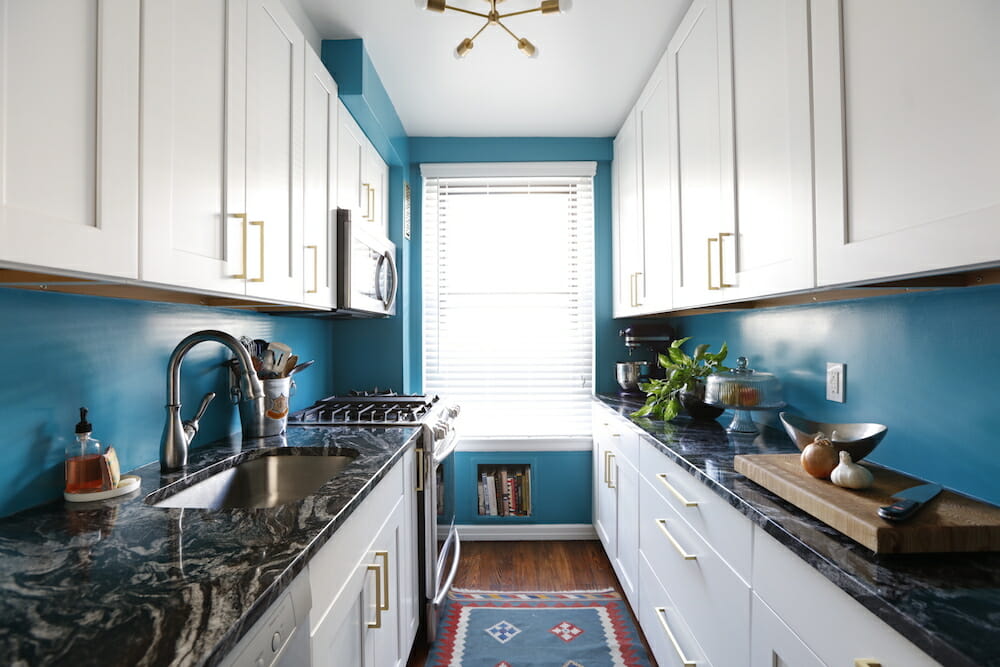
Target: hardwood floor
{"x":530,"y":566}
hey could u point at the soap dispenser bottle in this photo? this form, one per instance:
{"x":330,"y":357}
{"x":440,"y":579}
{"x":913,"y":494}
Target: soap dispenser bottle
{"x":83,"y":459}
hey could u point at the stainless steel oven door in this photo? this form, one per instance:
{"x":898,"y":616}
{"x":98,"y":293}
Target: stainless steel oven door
{"x":441,"y":562}
{"x":367,"y":280}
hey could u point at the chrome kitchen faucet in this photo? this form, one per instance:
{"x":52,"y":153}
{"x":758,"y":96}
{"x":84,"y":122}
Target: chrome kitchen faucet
{"x":177,"y":435}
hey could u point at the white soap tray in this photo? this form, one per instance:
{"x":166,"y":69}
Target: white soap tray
{"x":127,"y":484}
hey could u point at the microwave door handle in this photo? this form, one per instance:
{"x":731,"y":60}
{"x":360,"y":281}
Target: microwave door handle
{"x":390,"y":262}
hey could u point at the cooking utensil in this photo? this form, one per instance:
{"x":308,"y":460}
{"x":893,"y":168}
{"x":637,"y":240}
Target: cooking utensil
{"x":908,"y":501}
{"x":858,"y":440}
{"x":290,"y":363}
{"x":280,"y":352}
{"x":301,"y":367}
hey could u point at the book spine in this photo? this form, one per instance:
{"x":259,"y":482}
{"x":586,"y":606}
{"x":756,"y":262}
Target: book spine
{"x":481,"y":492}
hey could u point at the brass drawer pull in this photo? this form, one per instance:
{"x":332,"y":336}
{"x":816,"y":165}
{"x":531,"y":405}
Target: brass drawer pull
{"x":384,"y":555}
{"x":670,"y":487}
{"x":607,"y":469}
{"x":710,"y":242}
{"x":662,"y":524}
{"x":611,"y":456}
{"x":377,"y":623}
{"x":661,"y":613}
{"x":243,"y":217}
{"x":722,"y":281}
{"x":638,"y":302}
{"x":866,"y":662}
{"x":259,"y":223}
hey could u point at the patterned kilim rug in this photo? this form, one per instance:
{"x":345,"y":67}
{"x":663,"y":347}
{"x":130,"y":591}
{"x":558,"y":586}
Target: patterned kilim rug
{"x":565,"y":629}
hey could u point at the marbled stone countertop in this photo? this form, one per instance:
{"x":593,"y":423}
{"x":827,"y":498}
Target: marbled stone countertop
{"x":121,"y":582}
{"x":946,"y":604}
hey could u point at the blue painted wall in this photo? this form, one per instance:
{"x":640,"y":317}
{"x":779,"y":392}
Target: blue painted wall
{"x":65,"y":351}
{"x":560,"y":492}
{"x":925,"y":364}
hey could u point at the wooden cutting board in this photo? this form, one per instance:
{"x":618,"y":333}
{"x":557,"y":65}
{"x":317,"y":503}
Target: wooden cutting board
{"x":948,"y":523}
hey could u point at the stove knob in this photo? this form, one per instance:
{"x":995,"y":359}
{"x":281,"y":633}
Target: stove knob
{"x":440,"y":431}
{"x":453,"y":410}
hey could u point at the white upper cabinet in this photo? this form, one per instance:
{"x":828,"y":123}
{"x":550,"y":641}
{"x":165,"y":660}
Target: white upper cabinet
{"x":275,"y":84}
{"x":193,"y":144}
{"x":362,"y":176}
{"x":627,"y":242}
{"x":906,"y":104}
{"x":319,"y":215}
{"x":773,"y":148}
{"x":701,"y":171}
{"x":69,"y":135}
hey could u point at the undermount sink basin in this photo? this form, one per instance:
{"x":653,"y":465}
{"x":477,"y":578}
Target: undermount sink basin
{"x":266,"y":481}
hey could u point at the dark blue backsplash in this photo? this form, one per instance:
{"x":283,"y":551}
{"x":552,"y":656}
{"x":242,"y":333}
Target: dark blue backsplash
{"x":64,"y":351}
{"x":925,"y":364}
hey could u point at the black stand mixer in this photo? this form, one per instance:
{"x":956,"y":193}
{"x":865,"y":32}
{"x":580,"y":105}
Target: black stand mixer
{"x":650,"y":340}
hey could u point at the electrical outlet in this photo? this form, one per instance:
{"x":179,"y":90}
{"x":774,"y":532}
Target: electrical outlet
{"x":836,"y":382}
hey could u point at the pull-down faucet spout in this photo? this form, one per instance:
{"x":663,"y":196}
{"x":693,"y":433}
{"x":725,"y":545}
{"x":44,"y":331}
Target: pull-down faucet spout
{"x":177,"y":435}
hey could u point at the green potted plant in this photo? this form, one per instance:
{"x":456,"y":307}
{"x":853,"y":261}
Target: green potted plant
{"x":684,"y":384}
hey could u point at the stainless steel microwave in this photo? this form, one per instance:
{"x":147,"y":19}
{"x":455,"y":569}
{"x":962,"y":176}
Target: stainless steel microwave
{"x":366,"y":269}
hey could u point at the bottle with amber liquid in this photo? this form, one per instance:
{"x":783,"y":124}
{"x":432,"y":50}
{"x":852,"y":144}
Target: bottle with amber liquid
{"x":84,"y":460}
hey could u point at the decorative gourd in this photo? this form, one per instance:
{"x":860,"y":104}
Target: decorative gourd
{"x":850,"y":475}
{"x":819,"y":458}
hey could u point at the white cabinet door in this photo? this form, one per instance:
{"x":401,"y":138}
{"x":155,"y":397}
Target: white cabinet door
{"x":628,"y":242}
{"x":605,"y":512}
{"x":350,"y":160}
{"x":699,"y":74}
{"x":773,"y":644}
{"x":375,"y":182}
{"x":319,"y":214}
{"x":275,"y":53}
{"x":193,"y":144}
{"x":773,"y":240}
{"x":906,"y":137}
{"x":343,"y":638}
{"x":69,"y":135}
{"x":626,"y":559}
{"x":653,"y":128}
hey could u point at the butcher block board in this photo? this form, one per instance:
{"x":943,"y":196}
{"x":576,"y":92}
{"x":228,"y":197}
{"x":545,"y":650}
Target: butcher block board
{"x":948,"y":523}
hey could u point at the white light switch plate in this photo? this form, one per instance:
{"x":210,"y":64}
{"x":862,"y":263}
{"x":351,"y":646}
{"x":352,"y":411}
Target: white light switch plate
{"x":836,"y":382}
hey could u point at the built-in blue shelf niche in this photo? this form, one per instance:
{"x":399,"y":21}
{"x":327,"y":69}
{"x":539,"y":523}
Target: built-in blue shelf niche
{"x":560,"y":486}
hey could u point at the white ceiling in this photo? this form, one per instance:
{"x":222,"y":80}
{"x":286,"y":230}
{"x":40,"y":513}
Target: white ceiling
{"x":592,"y":63}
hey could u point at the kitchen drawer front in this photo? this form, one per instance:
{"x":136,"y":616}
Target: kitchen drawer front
{"x":619,"y":432}
{"x":773,"y":644}
{"x":668,"y":636}
{"x":329,"y":569}
{"x":794,"y":590}
{"x":723,"y":527}
{"x":713,"y":599}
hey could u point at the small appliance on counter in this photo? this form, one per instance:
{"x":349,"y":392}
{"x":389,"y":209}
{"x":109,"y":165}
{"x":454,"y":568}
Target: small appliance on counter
{"x":743,"y":389}
{"x":650,"y":340}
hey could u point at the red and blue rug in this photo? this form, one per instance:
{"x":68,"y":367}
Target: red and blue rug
{"x":564,"y":629}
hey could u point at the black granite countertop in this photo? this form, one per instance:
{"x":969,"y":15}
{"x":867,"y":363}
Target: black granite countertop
{"x":946,"y":604}
{"x":121,"y":582}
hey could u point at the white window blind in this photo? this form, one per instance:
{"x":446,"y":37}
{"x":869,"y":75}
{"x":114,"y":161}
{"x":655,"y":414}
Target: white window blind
{"x":508,"y":290}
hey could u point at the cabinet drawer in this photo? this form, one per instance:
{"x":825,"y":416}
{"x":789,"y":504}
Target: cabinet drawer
{"x":714,"y":601}
{"x":773,"y":644}
{"x":724,"y":528}
{"x":669,"y":637}
{"x":619,"y":433}
{"x":330,"y":568}
{"x":794,"y":590}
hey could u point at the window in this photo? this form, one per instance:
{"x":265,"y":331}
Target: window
{"x":508,"y":289}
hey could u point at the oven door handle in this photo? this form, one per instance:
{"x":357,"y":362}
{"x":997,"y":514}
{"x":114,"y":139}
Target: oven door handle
{"x":443,"y":590}
{"x":447,"y":449}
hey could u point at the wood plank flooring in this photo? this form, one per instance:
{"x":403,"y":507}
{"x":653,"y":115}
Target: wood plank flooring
{"x":531,"y":566}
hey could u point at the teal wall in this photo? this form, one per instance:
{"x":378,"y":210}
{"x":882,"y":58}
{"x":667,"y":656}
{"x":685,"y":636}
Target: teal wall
{"x":925,"y":364}
{"x":560,"y":486}
{"x":65,"y":351}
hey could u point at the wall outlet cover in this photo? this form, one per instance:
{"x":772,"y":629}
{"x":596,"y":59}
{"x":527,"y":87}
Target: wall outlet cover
{"x":836,"y":382}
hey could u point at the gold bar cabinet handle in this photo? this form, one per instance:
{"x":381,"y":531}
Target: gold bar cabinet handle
{"x":371,"y":206}
{"x":315,"y":250}
{"x":243,"y":217}
{"x":710,"y":242}
{"x":384,"y":555}
{"x":259,"y":223}
{"x":377,"y":623}
{"x":722,"y":264}
{"x":611,"y":455}
{"x":867,"y":662}
{"x":638,"y":302}
{"x":661,"y":613}
{"x":420,"y":469}
{"x":670,"y":487}
{"x":662,"y":524}
{"x":631,"y":289}
{"x":607,"y":469}
{"x":368,"y":201}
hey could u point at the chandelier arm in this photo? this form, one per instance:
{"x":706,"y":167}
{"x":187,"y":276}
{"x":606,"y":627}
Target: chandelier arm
{"x":516,"y":38}
{"x":467,"y":11}
{"x":523,"y":11}
{"x":480,"y":31}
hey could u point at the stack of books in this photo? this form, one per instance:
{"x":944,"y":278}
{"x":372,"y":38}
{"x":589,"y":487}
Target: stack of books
{"x":505,"y":490}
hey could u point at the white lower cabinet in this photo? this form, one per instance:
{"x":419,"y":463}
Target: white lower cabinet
{"x":773,"y":644}
{"x":668,"y":636}
{"x":363,"y":581}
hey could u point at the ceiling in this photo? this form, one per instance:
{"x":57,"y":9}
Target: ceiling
{"x":592,"y":63}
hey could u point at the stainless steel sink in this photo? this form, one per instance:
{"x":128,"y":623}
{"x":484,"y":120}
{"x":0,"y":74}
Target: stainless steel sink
{"x":266,"y":481}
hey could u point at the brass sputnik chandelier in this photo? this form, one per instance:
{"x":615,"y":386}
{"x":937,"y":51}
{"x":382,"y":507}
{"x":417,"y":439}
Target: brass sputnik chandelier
{"x":493,"y":17}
